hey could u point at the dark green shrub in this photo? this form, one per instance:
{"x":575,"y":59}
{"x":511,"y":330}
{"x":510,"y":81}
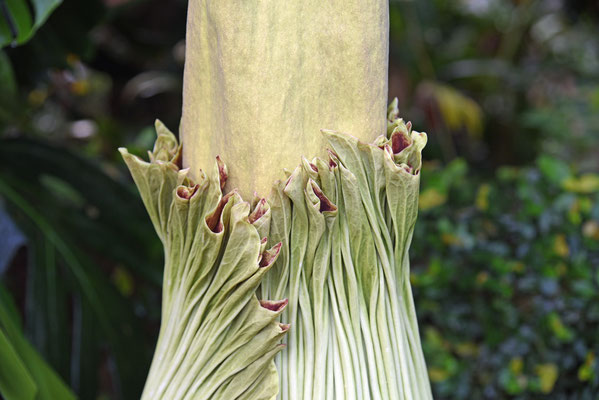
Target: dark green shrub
{"x":506,"y":277}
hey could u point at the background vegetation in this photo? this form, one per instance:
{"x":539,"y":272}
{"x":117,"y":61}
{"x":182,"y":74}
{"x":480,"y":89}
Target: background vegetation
{"x":505,"y":253}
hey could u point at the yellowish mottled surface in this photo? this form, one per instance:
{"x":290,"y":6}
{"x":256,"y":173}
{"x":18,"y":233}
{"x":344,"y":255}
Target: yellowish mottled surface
{"x":262,"y":77}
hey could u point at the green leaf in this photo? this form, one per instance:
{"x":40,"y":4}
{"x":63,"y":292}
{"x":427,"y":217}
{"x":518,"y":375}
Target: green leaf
{"x":15,"y":380}
{"x":436,"y":188}
{"x":86,"y":352}
{"x":43,"y":9}
{"x":114,"y":315}
{"x":46,"y":303}
{"x":78,"y":181}
{"x":23,"y":372}
{"x":561,"y":331}
{"x":17,"y":24}
{"x":554,"y":169}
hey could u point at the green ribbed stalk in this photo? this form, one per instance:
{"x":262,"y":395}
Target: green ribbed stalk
{"x":262,"y":78}
{"x":339,"y":231}
{"x":217,"y":340}
{"x":345,"y":226}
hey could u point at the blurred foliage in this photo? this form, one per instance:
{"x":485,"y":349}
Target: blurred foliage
{"x":24,"y":375}
{"x":77,"y":218}
{"x":506,"y":273}
{"x":88,"y":281}
{"x":499,"y":81}
{"x":506,"y":250}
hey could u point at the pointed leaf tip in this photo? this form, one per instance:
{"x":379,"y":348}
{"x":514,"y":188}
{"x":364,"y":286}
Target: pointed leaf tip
{"x":214,"y":220}
{"x":274,"y":305}
{"x":325,"y":203}
{"x":222,"y":172}
{"x":270,"y":256}
{"x":399,"y":141}
{"x":259,"y":211}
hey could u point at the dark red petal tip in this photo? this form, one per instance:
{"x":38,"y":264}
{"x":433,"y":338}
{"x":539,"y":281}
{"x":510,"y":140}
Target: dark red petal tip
{"x":178,"y":158}
{"x":274,"y":305}
{"x":258,"y":212}
{"x":287,"y":182}
{"x":185,"y":192}
{"x":269,"y":256}
{"x":333,"y":159}
{"x":222,"y":172}
{"x":214,"y":221}
{"x":325,"y":203}
{"x":399,"y":141}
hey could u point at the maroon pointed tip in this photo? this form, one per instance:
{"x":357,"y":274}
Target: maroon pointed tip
{"x":287,"y":182}
{"x":399,"y":141}
{"x":185,"y":192}
{"x":258,"y":212}
{"x":325,"y":203}
{"x":333,"y":159}
{"x":178,"y":157}
{"x":274,"y":305}
{"x":270,"y":256}
{"x":222,"y":172}
{"x":214,"y":220}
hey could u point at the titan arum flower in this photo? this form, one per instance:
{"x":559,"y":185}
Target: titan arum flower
{"x":286,"y":277}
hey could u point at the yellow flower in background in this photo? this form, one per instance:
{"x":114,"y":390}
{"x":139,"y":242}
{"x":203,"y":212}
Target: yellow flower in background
{"x":547,"y":374}
{"x":457,"y":110}
{"x":431,"y":198}
{"x":560,"y":330}
{"x":482,"y":197}
{"x":466,"y":349}
{"x":482,"y":278}
{"x":560,"y":246}
{"x":516,"y":365}
{"x":587,"y":183}
{"x":37,"y":97}
{"x":437,"y":374}
{"x":587,"y":370}
{"x":590,"y":229}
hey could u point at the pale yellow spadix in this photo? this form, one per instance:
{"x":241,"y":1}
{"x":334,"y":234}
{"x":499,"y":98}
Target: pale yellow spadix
{"x":263,"y":77}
